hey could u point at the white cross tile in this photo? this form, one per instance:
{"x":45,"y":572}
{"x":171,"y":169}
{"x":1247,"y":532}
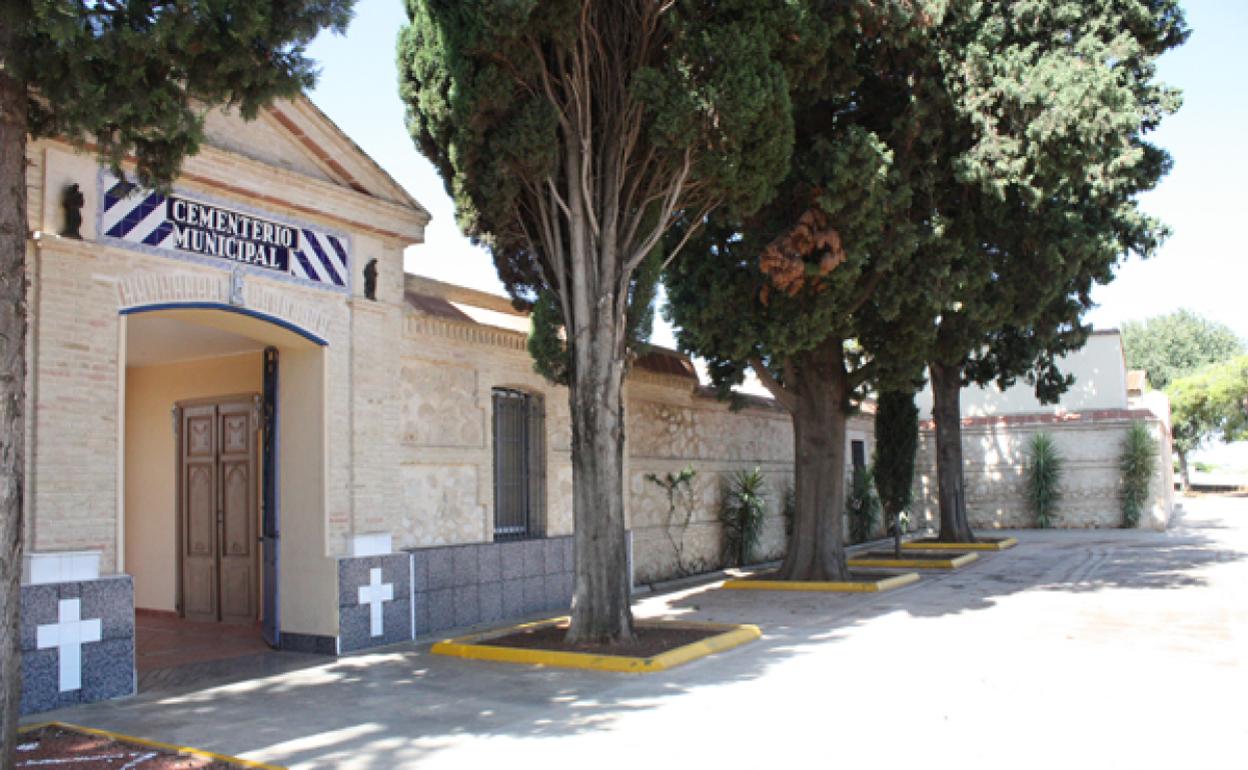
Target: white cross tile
{"x":68,"y":635}
{"x":374,"y":595}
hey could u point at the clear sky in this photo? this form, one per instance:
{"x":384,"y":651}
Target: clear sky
{"x":1202,"y":266}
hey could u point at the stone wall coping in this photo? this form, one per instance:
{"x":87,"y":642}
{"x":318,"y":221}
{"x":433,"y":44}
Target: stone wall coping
{"x":418,"y":324}
{"x":1047,"y":418}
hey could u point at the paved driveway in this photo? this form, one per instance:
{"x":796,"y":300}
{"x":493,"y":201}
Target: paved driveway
{"x":1076,"y":649}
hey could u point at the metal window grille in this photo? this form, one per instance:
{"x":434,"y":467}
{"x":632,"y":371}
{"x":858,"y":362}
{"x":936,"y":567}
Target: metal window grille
{"x":519,"y":467}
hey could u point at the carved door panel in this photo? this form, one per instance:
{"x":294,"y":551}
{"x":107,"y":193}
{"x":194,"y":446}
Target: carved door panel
{"x":199,"y":512}
{"x":219,"y":512}
{"x":237,"y":465}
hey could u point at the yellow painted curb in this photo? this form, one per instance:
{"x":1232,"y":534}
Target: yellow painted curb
{"x":476,"y":647}
{"x":152,"y":744}
{"x":927,"y":545}
{"x":953,"y":562}
{"x":842,"y":587}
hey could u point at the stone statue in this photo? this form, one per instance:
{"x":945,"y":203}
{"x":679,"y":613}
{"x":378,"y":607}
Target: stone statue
{"x":370,"y":279}
{"x":72,"y":201}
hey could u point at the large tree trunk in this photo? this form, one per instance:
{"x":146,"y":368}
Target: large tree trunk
{"x":600,"y":607}
{"x":12,"y":382}
{"x":947,"y":413}
{"x":816,"y":550}
{"x":1184,"y":474}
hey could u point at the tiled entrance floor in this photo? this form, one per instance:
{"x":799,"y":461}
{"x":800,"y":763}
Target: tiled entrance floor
{"x":173,"y":654}
{"x":164,"y":641}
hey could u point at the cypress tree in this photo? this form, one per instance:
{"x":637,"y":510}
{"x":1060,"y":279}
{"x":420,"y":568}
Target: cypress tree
{"x":896,"y":443}
{"x":572,"y":134}
{"x":823,"y":291}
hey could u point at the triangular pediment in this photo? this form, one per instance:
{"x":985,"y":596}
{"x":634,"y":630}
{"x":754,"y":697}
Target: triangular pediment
{"x":296,"y":136}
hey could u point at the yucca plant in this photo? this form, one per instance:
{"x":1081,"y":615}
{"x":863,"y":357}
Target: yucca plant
{"x":1043,"y":478}
{"x":1138,"y":463}
{"x":742,"y":514}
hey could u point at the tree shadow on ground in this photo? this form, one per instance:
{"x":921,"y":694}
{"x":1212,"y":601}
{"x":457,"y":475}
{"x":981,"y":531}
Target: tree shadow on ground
{"x":402,"y":705}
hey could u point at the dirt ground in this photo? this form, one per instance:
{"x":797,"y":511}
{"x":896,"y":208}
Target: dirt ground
{"x":66,"y":749}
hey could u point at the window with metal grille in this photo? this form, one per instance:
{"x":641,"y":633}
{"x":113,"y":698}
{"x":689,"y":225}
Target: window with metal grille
{"x":519,"y":465}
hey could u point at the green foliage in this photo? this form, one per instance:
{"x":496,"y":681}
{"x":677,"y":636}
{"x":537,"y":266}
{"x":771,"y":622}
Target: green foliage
{"x":1058,"y":159}
{"x":1211,"y":402}
{"x":641,"y":294}
{"x":1137,"y":464}
{"x":832,"y":257}
{"x":1172,"y":346}
{"x":546,"y":344}
{"x":896,"y":444}
{"x":862,"y":506}
{"x":957,"y":151}
{"x":741,"y":514}
{"x":693,"y":102}
{"x":1042,"y":478}
{"x":133,"y":76}
{"x":680,"y":494}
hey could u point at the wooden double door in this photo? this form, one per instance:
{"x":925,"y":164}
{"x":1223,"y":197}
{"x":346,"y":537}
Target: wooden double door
{"x":218,"y":509}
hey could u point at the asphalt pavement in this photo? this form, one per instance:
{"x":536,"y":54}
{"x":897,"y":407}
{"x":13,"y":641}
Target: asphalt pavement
{"x":1093,"y":648}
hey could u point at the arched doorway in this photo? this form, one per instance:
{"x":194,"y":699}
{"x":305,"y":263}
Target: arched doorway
{"x":210,"y":396}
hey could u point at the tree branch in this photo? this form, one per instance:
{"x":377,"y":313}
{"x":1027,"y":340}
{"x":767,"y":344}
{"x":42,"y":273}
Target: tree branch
{"x":665,"y":214}
{"x":872,"y":282}
{"x":782,"y":395}
{"x":695,"y":225}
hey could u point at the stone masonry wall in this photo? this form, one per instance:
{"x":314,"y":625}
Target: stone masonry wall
{"x":671,"y":428}
{"x":448,"y":371}
{"x":995,"y":456}
{"x":446,"y":379}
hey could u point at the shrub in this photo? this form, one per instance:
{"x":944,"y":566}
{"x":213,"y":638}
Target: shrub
{"x":742,"y":513}
{"x":862,"y":505}
{"x":680,"y":494}
{"x":1042,"y":479}
{"x":1138,"y":463}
